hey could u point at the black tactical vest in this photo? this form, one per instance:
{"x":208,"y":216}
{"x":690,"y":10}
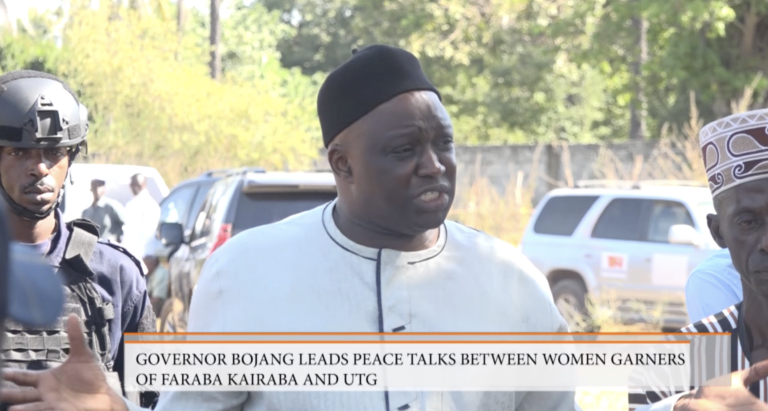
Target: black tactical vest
{"x":25,"y":347}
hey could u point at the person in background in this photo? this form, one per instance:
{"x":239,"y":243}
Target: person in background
{"x":105,"y":212}
{"x":157,"y":284}
{"x":142,"y":216}
{"x":713,"y":286}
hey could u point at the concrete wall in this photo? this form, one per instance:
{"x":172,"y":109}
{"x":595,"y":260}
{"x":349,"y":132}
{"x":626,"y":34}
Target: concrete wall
{"x":549,"y":165}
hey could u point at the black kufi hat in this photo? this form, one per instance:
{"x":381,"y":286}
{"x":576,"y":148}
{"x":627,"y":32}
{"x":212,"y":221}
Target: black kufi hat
{"x":373,"y":76}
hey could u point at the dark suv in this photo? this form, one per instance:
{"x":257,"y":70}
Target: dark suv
{"x":237,"y":202}
{"x":184,"y":201}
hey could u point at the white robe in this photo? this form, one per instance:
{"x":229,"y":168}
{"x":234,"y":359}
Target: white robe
{"x":302,"y":274}
{"x":142,"y":215}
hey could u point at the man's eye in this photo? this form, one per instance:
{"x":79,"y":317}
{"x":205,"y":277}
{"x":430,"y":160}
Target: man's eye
{"x":402,"y":150}
{"x":748,"y":222}
{"x":55,"y":152}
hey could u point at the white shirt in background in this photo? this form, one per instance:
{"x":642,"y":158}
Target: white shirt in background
{"x":142,"y":214}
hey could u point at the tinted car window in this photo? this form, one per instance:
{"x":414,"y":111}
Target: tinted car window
{"x":202,"y":192}
{"x":561,"y":215}
{"x":264,"y":208}
{"x":219,"y":208}
{"x":622,"y":220}
{"x":203,"y":221}
{"x":665,"y":214}
{"x":175,"y":207}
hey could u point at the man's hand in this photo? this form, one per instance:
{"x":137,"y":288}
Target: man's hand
{"x":717,"y":395}
{"x":77,"y":385}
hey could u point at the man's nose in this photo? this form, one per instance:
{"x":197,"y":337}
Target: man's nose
{"x":429,"y":164}
{"x":38,"y":164}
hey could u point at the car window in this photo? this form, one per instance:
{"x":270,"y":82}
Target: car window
{"x":202,"y":193}
{"x":203,"y":220}
{"x":219,"y":208}
{"x":175,"y":207}
{"x":665,"y":214}
{"x":561,"y":215}
{"x":257,"y":209}
{"x":622,"y":219}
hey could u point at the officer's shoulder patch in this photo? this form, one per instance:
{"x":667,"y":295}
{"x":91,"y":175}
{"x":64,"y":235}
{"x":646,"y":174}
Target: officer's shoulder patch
{"x":85,"y":225}
{"x":124,"y":251}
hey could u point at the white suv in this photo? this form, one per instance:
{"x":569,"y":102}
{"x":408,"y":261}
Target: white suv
{"x":634,"y":246}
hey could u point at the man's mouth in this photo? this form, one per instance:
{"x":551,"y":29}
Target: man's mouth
{"x":429,"y":196}
{"x":435,"y":198}
{"x":39,"y":190}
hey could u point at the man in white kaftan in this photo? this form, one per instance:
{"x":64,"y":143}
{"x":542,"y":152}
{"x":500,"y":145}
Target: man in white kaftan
{"x":466,"y":282}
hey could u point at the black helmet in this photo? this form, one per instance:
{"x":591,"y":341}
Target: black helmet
{"x":38,"y":110}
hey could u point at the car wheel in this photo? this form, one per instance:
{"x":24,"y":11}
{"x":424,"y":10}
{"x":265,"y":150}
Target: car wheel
{"x":173,"y":317}
{"x":570,"y":299}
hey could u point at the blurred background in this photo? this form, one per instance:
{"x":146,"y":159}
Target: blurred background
{"x":544,"y":94}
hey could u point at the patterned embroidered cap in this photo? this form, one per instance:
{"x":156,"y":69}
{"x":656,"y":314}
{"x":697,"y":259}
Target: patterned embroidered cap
{"x":735,"y":150}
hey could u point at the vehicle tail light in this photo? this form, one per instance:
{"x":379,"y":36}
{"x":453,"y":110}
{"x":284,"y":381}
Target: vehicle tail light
{"x":225,"y":233}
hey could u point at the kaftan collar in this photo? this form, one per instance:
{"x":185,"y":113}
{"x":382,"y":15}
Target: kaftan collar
{"x":369,"y":253}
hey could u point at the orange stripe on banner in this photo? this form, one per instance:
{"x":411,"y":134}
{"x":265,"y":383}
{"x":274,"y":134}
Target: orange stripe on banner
{"x":407,"y":342}
{"x":416,"y":333}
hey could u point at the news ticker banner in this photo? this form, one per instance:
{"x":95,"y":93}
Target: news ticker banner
{"x":422,"y":362}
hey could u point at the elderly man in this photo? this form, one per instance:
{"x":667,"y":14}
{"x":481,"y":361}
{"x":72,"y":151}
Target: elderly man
{"x":736,"y":159}
{"x":380,"y":258}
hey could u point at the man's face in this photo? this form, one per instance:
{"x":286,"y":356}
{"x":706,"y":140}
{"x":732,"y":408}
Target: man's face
{"x":151,"y":263}
{"x":98,"y":191}
{"x":402,"y":164}
{"x":33,"y":177}
{"x":741,"y":225}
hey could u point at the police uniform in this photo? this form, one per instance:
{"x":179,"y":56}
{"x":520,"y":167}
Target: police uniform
{"x":104,"y":285}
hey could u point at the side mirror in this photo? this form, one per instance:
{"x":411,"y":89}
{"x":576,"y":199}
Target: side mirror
{"x":685,"y":235}
{"x":171,"y":234}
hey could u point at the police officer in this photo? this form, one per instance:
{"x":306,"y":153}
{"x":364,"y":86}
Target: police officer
{"x":43,"y":127}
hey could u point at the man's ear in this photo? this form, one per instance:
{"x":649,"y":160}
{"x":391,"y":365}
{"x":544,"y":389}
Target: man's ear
{"x":713,"y":222}
{"x":338,"y":158}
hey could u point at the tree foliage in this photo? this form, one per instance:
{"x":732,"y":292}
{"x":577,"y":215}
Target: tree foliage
{"x":509,"y":70}
{"x":150,"y":104}
{"x":539,"y":70}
